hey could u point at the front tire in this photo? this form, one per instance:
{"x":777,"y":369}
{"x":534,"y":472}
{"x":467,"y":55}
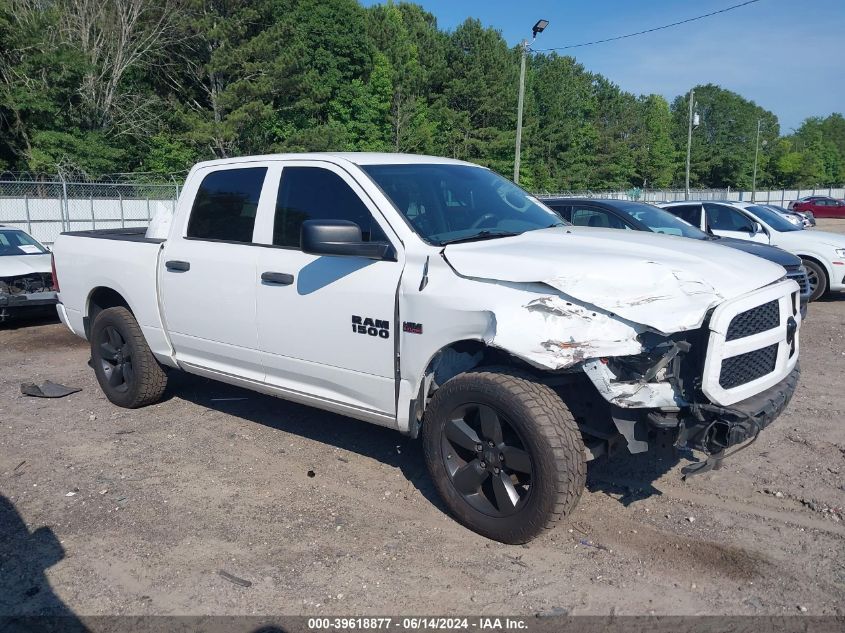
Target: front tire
{"x":817,"y":277}
{"x":126,"y":369}
{"x":504,"y":452}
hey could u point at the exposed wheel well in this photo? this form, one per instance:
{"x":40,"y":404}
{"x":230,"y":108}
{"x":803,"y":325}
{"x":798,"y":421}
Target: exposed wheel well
{"x":101,"y":299}
{"x":451,"y":360}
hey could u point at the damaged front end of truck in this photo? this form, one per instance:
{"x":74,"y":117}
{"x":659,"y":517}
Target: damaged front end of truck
{"x":709,"y":387}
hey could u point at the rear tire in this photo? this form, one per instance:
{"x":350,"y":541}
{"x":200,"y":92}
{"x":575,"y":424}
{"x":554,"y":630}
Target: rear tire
{"x":504,"y":453}
{"x":126,"y":369}
{"x":817,"y":277}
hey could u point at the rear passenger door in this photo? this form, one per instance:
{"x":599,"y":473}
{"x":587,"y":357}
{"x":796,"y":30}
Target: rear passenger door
{"x":690,"y":213}
{"x":728,"y":221}
{"x":328,"y":328}
{"x":209,"y":272}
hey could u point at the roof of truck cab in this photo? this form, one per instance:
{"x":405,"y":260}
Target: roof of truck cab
{"x":357,"y":158}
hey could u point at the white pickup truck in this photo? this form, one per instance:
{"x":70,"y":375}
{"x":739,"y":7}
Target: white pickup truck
{"x":434,"y":297}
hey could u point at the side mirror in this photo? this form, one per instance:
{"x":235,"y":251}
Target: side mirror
{"x":338,"y":237}
{"x":756,"y":227}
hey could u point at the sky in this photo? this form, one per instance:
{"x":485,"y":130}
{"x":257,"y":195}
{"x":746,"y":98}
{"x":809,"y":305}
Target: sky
{"x":787,"y":56}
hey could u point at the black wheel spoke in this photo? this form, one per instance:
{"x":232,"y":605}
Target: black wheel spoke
{"x":516,"y":459}
{"x":469,"y":477}
{"x":126,"y":351}
{"x":114,"y":337}
{"x":491,"y":426}
{"x":461,"y":434}
{"x":506,"y":495}
{"x":128,"y":372}
{"x":116,"y":376}
{"x":108,"y":352}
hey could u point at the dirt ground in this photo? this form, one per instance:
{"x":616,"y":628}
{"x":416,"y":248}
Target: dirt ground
{"x":326,"y":515}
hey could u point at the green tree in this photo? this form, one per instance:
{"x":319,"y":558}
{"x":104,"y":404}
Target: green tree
{"x":723,"y":145}
{"x":656,"y":157}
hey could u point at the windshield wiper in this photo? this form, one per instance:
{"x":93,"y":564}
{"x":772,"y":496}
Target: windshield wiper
{"x":482,"y":235}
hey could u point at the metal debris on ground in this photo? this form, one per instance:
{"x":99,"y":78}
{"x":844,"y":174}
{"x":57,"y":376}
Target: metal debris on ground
{"x":588,"y":543}
{"x":47,"y":389}
{"x":234,"y":579}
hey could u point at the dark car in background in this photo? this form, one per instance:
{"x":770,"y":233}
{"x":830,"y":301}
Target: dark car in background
{"x":638,"y":216}
{"x":820,"y":206}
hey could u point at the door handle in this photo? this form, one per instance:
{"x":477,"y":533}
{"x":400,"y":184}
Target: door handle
{"x":278,"y":279}
{"x":174,"y":265}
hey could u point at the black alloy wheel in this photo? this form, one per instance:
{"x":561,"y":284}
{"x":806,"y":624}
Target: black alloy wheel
{"x":486,"y":460}
{"x":116,"y":359}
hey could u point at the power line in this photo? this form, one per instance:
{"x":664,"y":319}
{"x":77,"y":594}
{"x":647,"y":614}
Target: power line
{"x":657,"y":28}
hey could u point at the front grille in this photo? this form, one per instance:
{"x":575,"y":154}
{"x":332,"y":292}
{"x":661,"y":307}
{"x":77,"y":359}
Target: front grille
{"x":753,"y":321}
{"x":799,"y":275}
{"x":738,"y":370}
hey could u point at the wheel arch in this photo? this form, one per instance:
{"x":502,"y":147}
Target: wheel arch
{"x":99,"y":299}
{"x":451,"y":360}
{"x":817,"y":260}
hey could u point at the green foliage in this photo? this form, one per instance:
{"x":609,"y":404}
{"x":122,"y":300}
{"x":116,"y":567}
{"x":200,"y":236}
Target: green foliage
{"x":723,"y":145}
{"x":217,"y":78}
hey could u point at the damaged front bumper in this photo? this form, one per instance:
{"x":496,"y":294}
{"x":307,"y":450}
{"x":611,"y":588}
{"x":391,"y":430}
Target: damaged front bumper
{"x":698,"y":424}
{"x":713,"y":429}
{"x":24,"y":301}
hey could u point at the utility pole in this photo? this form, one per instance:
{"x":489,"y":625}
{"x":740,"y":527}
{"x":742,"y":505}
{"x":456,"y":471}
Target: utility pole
{"x":689,"y":140}
{"x":539,"y":27}
{"x":756,"y":154}
{"x":523,"y":55}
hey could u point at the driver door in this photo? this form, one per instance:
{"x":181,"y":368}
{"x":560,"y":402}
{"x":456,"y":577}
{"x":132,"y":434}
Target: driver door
{"x":727,"y":221}
{"x":327,"y":324}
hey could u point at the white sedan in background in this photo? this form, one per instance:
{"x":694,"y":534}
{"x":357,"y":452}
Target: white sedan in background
{"x":823,"y":253}
{"x":26,"y":277}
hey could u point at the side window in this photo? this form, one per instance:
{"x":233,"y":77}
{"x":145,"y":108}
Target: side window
{"x":690,"y":213}
{"x":314,"y":193}
{"x":593,"y":216}
{"x":562,"y":210}
{"x":225,"y":205}
{"x":723,"y":218}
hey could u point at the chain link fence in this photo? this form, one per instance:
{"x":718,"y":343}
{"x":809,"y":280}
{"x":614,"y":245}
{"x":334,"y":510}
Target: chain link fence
{"x":46,"y":208}
{"x":779,"y":197}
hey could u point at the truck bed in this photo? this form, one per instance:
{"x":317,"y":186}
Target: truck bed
{"x":121,"y":260}
{"x":130,"y":234}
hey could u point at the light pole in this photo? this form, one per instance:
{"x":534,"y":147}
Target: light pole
{"x":693,"y":117}
{"x":756,"y":154}
{"x":539,"y":27}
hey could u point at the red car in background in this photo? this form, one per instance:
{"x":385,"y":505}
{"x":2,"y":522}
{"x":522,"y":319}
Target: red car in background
{"x":820,"y":206}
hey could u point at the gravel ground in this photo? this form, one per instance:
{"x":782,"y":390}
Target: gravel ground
{"x":110,"y":511}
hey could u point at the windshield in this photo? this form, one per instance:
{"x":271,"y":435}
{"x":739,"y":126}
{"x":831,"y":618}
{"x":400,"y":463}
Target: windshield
{"x":449,"y":203}
{"x":15,"y":242}
{"x":773,"y":219}
{"x":660,"y":221}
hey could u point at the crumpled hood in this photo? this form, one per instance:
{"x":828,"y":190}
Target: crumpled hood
{"x":17,"y":265}
{"x":667,"y":283}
